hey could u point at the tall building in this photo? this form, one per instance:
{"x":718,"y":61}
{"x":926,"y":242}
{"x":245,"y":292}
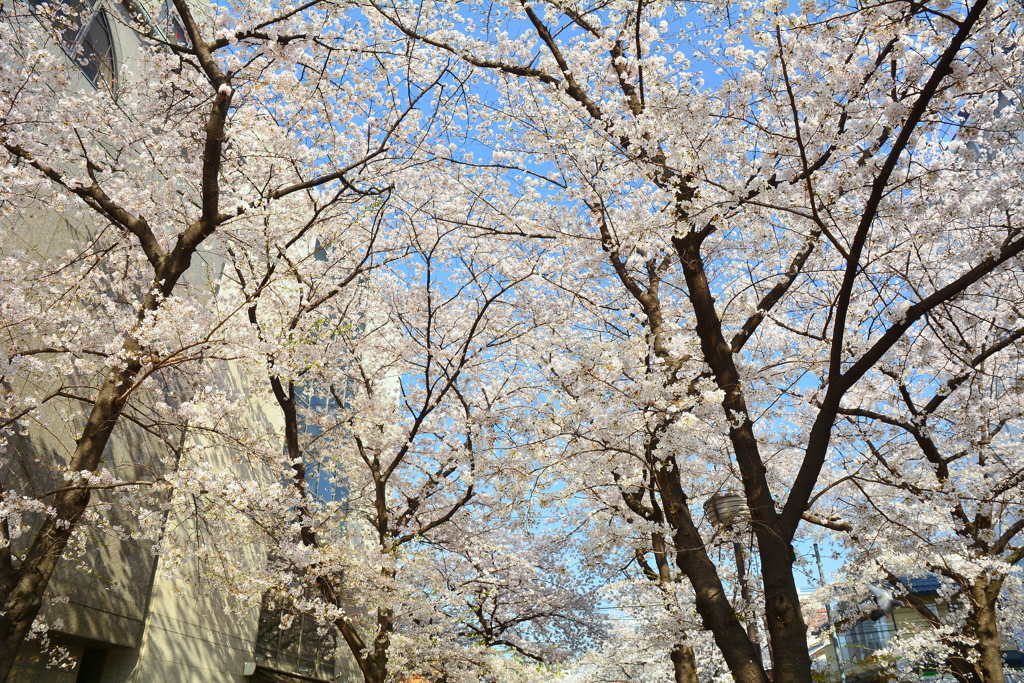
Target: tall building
{"x":115,"y":610}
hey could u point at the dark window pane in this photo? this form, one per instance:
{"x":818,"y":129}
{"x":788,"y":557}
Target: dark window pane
{"x":298,"y":648}
{"x":67,"y":18}
{"x":171,"y":25}
{"x":85,"y":35}
{"x":97,"y":58}
{"x":177,"y":33}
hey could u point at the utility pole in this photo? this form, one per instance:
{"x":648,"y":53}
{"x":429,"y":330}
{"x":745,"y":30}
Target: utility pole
{"x":741,"y":577}
{"x":828,"y":615}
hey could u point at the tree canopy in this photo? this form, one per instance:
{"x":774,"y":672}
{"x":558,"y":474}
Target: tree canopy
{"x":459,"y":313}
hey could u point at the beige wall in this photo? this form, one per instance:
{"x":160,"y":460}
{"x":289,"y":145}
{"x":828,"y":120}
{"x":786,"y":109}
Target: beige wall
{"x":115,"y":596}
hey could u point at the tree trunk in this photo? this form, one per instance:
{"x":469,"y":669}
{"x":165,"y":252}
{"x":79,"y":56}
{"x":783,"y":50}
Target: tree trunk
{"x":788,"y":633}
{"x":371,"y":659}
{"x":23,"y":587}
{"x":684,"y":664}
{"x":990,"y":660}
{"x":786,"y":628}
{"x":712,"y":603}
{"x":373,"y":666}
{"x":981,"y":662}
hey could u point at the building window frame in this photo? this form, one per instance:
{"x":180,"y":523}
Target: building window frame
{"x":85,"y":32}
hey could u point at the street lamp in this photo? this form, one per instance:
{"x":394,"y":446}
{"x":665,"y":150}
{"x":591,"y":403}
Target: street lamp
{"x":725,"y":509}
{"x":833,"y":636}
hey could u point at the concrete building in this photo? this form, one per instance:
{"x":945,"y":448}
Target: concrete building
{"x":119,"y":617}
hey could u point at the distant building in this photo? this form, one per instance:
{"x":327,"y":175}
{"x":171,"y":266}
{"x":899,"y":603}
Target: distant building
{"x":859,"y":643}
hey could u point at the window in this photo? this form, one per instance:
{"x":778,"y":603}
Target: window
{"x":292,"y":642}
{"x":170,"y":24}
{"x":83,"y":31}
{"x":322,"y":485}
{"x":97,"y":58}
{"x":865,"y":638}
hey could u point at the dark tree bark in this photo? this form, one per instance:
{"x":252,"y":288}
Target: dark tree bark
{"x":986,"y":630}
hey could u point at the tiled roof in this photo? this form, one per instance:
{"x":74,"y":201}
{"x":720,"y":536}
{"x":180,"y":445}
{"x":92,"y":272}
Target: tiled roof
{"x":926,"y":584}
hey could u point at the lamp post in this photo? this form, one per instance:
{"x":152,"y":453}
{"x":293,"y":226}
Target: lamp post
{"x":828,"y":615}
{"x":724,"y":509}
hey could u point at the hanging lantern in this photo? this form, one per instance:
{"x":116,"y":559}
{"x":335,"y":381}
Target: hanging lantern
{"x":726,"y":508}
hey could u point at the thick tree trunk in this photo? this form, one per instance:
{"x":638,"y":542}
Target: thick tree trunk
{"x":23,"y":587}
{"x":711,"y":599}
{"x":372,"y":659}
{"x":990,"y":660}
{"x":786,"y":628}
{"x":981,"y":662}
{"x":373,"y":665}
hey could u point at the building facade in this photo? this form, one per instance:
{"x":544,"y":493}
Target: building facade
{"x":856,"y":660}
{"x":115,"y":610}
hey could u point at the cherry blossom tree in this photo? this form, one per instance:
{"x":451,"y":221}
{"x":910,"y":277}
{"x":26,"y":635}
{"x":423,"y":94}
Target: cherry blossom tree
{"x":399,"y":392}
{"x":753,"y":210}
{"x":285,"y":143}
{"x":259,"y":119}
{"x":632,"y":253}
{"x":952,"y":455}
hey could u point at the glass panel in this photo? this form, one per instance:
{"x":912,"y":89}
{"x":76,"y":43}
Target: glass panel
{"x":68,"y":19}
{"x":71,"y":24}
{"x":132,"y":14}
{"x":97,"y":58}
{"x":299,"y":648}
{"x":171,"y":25}
{"x":865,"y":638}
{"x":85,"y":35}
